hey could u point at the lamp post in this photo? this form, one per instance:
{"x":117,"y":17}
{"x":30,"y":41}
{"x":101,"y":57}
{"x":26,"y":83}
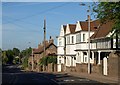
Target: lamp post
{"x":88,"y":36}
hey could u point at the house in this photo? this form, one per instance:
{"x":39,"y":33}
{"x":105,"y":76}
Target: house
{"x":61,"y":49}
{"x":50,"y":50}
{"x":102,"y":43}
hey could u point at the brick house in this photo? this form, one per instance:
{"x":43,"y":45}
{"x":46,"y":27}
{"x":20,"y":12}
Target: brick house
{"x":50,"y":50}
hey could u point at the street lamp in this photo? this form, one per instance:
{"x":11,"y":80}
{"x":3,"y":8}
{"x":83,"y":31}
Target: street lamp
{"x":88,"y":36}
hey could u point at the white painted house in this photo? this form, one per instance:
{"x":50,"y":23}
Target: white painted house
{"x":76,"y":36}
{"x":60,"y":49}
{"x":70,"y":45}
{"x":82,"y":41}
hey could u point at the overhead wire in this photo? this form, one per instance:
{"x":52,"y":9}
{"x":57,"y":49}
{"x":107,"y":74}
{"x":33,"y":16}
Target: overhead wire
{"x":30,"y":3}
{"x":39,"y":13}
{"x":21,"y":26}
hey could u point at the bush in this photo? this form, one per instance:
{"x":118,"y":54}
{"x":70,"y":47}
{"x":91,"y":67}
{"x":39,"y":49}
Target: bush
{"x":49,"y":59}
{"x":25,"y":62}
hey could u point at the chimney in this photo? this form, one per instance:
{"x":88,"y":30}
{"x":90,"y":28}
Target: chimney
{"x":51,"y":40}
{"x":39,"y":45}
{"x":46,"y":42}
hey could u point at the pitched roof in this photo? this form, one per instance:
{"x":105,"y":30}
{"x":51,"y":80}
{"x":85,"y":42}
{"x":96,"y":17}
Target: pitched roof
{"x":103,"y":30}
{"x":41,"y":48}
{"x":72,"y":28}
{"x":93,"y":24}
{"x":64,"y":27}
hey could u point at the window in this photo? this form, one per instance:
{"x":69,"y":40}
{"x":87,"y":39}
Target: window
{"x":68,"y":39}
{"x":85,"y":59}
{"x":74,"y":58}
{"x":60,"y":42}
{"x":83,"y":37}
{"x":78,"y":38}
{"x":59,"y":61}
{"x":72,"y":39}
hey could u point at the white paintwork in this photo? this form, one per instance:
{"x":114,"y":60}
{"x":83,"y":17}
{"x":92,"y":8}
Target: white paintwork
{"x":79,"y":46}
{"x":78,"y":26}
{"x":60,"y":49}
{"x":67,"y":29}
{"x":62,"y":31}
{"x":99,"y":57}
{"x":59,"y":67}
{"x":105,"y":66}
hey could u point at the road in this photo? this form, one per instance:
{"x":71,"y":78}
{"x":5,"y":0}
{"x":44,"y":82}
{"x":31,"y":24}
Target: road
{"x":12,"y":75}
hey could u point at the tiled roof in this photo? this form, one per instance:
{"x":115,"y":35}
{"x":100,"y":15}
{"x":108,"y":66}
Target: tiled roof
{"x":41,"y":48}
{"x":72,"y":28}
{"x":93,"y":24}
{"x":103,"y":30}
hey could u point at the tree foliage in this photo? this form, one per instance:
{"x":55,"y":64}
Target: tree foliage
{"x":4,"y":57}
{"x":13,"y":56}
{"x":16,"y":51}
{"x":108,"y":11}
{"x":10,"y":56}
{"x":25,"y":62}
{"x":49,"y":59}
{"x":26,"y":52}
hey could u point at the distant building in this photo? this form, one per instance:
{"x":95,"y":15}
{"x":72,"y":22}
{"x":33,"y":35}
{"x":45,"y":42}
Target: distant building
{"x":50,"y":50}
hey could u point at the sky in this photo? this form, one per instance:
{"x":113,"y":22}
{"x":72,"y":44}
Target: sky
{"x":22,"y":22}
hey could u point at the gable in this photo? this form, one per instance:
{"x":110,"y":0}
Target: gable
{"x":67,"y":29}
{"x":78,"y":27}
{"x":63,"y":30}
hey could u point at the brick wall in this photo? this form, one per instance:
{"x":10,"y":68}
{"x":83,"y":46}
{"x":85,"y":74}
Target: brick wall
{"x":113,"y":62}
{"x":96,"y":69}
{"x":82,"y":67}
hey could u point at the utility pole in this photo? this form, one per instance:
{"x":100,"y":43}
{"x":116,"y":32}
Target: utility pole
{"x":89,"y":39}
{"x":65,"y":52}
{"x":88,"y":36}
{"x":44,"y":53}
{"x":44,"y":36}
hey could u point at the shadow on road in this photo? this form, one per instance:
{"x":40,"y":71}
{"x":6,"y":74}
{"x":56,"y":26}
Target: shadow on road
{"x":11,"y":69}
{"x":12,"y":75}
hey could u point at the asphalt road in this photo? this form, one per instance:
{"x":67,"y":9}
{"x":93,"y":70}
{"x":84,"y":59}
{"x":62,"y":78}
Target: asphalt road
{"x":12,"y":75}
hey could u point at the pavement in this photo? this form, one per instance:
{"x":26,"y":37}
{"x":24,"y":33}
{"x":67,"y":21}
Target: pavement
{"x":96,"y":77}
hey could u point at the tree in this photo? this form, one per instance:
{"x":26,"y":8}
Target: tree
{"x":10,"y":56}
{"x":16,"y":51}
{"x":26,"y":52}
{"x":25,"y":62}
{"x":108,"y":11}
{"x":4,"y":57}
